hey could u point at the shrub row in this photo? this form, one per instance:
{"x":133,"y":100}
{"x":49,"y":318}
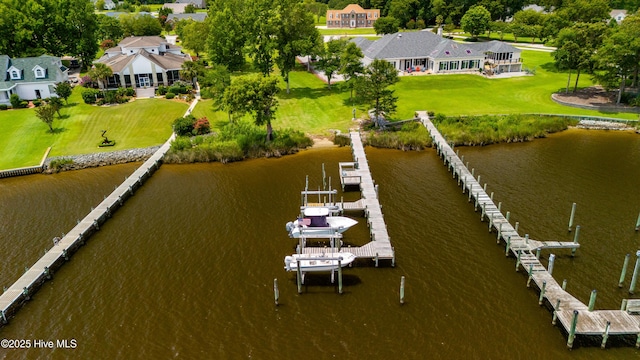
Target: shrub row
{"x":236,"y":142}
{"x":120,"y":96}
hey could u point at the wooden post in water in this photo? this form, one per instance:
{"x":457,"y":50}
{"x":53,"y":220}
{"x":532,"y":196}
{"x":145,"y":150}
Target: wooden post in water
{"x":376,"y":259}
{"x":542,"y":290}
{"x":276,"y":292}
{"x":491,"y":197}
{"x":530,"y":275}
{"x":552,"y":259}
{"x":500,"y":206}
{"x":479,"y":177}
{"x":473,"y":172}
{"x":508,"y":215}
{"x":564,"y":284}
{"x":485,"y":187}
{"x":4,"y":317}
{"x":484,"y":210}
{"x":538,"y":251}
{"x":573,"y":215}
{"x":623,"y":305}
{"x":518,"y":261}
{"x":555,"y":312}
{"x":638,"y":342}
{"x":575,"y":240}
{"x":299,"y":276}
{"x":572,"y":329}
{"x":506,"y":250}
{"x":632,"y":288}
{"x":605,"y":335}
{"x":517,"y":224}
{"x":623,"y":274}
{"x":526,"y":239}
{"x":592,"y":299}
{"x":638,"y":223}
{"x":339,"y":276}
{"x":499,"y":232}
{"x":490,"y":222}
{"x":402,"y":290}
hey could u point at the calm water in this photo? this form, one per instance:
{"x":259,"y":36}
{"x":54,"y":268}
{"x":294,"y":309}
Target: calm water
{"x":185,"y":269}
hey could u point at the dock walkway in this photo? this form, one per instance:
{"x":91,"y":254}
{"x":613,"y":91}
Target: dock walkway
{"x":357,"y":173}
{"x":18,"y":293}
{"x":575,"y":316}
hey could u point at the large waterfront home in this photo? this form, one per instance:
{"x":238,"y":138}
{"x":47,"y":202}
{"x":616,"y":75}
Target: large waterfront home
{"x":144,"y":61}
{"x":425,"y":51}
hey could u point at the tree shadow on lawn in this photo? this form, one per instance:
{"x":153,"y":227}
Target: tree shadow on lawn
{"x":307,"y":93}
{"x":65,"y":116}
{"x":551,"y":67}
{"x":57,"y":130}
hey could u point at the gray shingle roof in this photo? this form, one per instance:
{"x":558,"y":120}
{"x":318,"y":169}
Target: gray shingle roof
{"x":423,"y":44}
{"x":419,"y":44}
{"x":194,"y":16}
{"x":54,"y":70}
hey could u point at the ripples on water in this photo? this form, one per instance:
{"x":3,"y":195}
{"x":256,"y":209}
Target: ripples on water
{"x":185,"y":269}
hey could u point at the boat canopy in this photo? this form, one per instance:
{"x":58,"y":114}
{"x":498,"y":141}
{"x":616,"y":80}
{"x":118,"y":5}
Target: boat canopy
{"x":316,"y":211}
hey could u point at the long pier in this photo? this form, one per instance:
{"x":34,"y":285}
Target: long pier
{"x":17,"y":294}
{"x":357,"y":173}
{"x":575,"y":317}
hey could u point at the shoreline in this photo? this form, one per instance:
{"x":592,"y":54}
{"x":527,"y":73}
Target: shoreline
{"x":86,"y":161}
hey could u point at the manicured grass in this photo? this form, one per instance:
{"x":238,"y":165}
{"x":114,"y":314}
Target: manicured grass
{"x":311,"y":108}
{"x":347,"y":32}
{"x":141,"y":123}
{"x":471,"y":94}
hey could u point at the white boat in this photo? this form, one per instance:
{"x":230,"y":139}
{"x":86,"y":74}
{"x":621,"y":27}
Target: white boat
{"x":318,"y":262}
{"x":317,"y":221}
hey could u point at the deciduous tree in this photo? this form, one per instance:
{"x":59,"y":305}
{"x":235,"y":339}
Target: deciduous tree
{"x":64,"y":90}
{"x":227,"y":35}
{"x":386,"y":25}
{"x":46,"y":113}
{"x":330,"y":60}
{"x":373,"y":87}
{"x":476,"y":20}
{"x":351,"y":66}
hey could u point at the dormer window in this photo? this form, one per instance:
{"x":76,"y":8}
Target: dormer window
{"x":39,"y":72}
{"x":15,"y":75}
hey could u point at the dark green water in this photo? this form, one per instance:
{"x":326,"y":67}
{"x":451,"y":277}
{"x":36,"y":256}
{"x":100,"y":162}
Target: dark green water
{"x":185,"y":269}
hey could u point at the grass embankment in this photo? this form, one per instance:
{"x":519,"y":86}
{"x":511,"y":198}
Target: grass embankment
{"x":235,"y":142}
{"x":484,"y":130}
{"x":141,"y":123}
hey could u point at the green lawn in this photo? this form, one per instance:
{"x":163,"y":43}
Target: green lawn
{"x":470,"y":94}
{"x":347,"y":32}
{"x":311,"y":108}
{"x":141,"y":123}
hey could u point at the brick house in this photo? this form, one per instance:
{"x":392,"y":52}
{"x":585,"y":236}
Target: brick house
{"x":352,"y":16}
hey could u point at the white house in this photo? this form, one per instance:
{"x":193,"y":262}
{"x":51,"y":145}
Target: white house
{"x":31,"y":78}
{"x":425,"y":51}
{"x":175,"y":7}
{"x":199,"y":4}
{"x":144,"y":61}
{"x":618,"y":15}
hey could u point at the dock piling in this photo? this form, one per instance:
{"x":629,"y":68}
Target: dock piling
{"x":506,"y":250}
{"x":572,"y":330}
{"x":573,"y":215}
{"x":592,"y":299}
{"x":564,"y":284}
{"x":552,"y":259}
{"x":299,"y":277}
{"x":632,"y":287}
{"x":623,"y":274}
{"x":276,"y":292}
{"x":339,"y":276}
{"x":623,"y":305}
{"x":518,"y":260}
{"x":530,"y":275}
{"x":517,"y":225}
{"x":4,"y":317}
{"x":638,"y":223}
{"x":402,"y":290}
{"x":542,"y":290}
{"x":575,"y":240}
{"x":605,"y":335}
{"x":555,"y":312}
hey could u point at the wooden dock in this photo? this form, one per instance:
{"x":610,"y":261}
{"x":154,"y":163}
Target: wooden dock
{"x":17,"y":294}
{"x":354,"y":174}
{"x":575,"y":317}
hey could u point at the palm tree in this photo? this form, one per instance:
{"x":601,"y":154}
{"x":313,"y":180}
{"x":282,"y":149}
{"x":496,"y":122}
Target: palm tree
{"x":100,"y":73}
{"x":190,"y":71}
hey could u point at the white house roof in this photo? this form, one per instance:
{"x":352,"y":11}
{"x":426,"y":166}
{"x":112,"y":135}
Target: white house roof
{"x":494,"y":46}
{"x":167,"y":61}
